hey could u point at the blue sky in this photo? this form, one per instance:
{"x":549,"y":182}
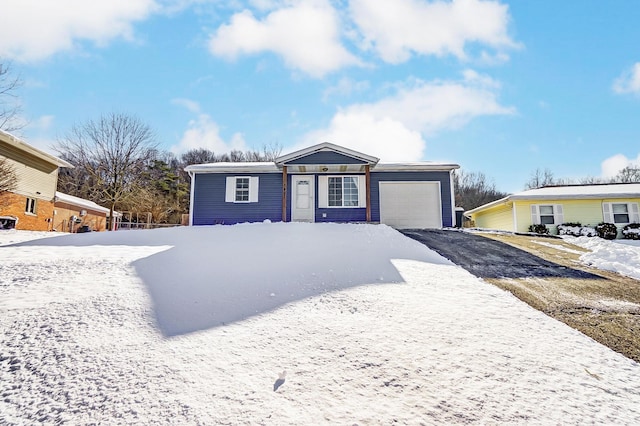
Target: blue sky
{"x":499,"y":87}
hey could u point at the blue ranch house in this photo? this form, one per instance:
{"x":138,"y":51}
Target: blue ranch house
{"x":324,"y":183}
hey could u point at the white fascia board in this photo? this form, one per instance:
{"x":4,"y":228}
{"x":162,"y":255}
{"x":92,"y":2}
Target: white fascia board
{"x":488,"y":205}
{"x":327,"y":146}
{"x":414,"y":167}
{"x":261,"y":167}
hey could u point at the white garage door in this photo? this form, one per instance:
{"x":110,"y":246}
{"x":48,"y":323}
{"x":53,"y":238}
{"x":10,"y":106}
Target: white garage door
{"x":411,"y":204}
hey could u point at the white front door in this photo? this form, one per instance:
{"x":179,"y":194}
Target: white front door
{"x":302,"y":198}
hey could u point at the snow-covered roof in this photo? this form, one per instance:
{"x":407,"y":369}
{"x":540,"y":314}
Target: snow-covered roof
{"x":222,"y":167}
{"x":80,"y":202}
{"x":271,"y":167}
{"x":23,"y":146}
{"x":570,"y":192}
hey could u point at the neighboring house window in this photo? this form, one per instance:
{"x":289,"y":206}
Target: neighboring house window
{"x":620,"y":212}
{"x":546,"y":214}
{"x":241,"y":189}
{"x":31,"y":206}
{"x":341,"y":191}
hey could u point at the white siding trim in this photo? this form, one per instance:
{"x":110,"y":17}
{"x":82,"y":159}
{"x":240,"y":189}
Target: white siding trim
{"x":515,"y":217}
{"x":362,"y":191}
{"x":607,"y":213}
{"x":323,"y":191}
{"x":535,"y":214}
{"x":634,"y":213}
{"x":452,"y":194}
{"x":191,"y":198}
{"x":230,"y":190}
{"x":558,"y":214}
{"x":253,"y":189}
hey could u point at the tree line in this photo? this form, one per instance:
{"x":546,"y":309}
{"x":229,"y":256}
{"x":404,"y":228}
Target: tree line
{"x":118,"y":164}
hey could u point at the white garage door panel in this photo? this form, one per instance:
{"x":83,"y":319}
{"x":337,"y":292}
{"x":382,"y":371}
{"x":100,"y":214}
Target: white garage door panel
{"x":411,"y":204}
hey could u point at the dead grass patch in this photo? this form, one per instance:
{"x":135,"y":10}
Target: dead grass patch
{"x":606,"y":309}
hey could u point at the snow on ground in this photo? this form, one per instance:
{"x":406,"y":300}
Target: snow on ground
{"x":194,"y":326}
{"x":622,"y":256}
{"x":556,"y":246}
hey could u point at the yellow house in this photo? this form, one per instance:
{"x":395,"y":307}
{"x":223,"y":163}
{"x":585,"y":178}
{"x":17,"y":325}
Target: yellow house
{"x":555,"y":205}
{"x":30,"y":204}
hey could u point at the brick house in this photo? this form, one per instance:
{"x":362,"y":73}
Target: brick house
{"x":74,"y":214}
{"x":30,"y":205}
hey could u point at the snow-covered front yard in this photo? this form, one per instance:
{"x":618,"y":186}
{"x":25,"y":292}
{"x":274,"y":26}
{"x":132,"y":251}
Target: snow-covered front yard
{"x":194,"y":326}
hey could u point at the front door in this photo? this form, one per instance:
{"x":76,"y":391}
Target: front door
{"x":302,"y":198}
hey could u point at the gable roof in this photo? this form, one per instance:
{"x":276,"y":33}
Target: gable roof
{"x":326,"y":147}
{"x":570,"y":192}
{"x":80,"y":202}
{"x":21,"y":145}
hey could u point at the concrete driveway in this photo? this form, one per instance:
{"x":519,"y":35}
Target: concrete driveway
{"x":486,"y":258}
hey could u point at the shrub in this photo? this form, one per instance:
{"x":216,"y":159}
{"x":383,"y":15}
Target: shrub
{"x":608,"y":231}
{"x":570,"y":228}
{"x":539,"y":229}
{"x":576,"y":229}
{"x":631,"y":231}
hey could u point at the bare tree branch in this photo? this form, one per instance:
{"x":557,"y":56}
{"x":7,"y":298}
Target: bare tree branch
{"x":8,"y":177}
{"x":10,"y":108}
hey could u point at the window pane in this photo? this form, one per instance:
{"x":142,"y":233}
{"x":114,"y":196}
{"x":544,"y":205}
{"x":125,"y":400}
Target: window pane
{"x":619,"y":208}
{"x":546,"y":210}
{"x":621,"y":218}
{"x":335,"y":192}
{"x":546,"y":220}
{"x":350,"y":192}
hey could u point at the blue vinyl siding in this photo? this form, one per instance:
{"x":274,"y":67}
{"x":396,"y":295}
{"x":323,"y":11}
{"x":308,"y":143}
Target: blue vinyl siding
{"x":209,"y":206}
{"x":325,"y":157}
{"x":442,"y":177}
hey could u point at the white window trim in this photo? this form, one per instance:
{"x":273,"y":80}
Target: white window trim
{"x":558,"y":214}
{"x":230,"y":190}
{"x":632,"y":211}
{"x":323,"y":192}
{"x":34,"y":204}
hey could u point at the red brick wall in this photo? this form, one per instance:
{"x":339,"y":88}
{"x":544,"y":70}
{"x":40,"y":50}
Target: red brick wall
{"x":14,"y":205}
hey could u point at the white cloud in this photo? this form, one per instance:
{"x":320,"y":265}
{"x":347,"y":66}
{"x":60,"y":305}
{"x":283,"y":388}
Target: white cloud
{"x":305,"y":34}
{"x":32,"y":30}
{"x":431,"y":28}
{"x":629,"y":81}
{"x":395,"y":128}
{"x":385,"y":138}
{"x":203,"y":132}
{"x":612,"y":165}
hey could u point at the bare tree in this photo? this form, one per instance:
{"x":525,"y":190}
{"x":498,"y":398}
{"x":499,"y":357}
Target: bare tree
{"x":8,"y":177}
{"x":627,"y":175}
{"x":9,"y":106}
{"x":474,"y":190}
{"x":540,"y":178}
{"x":112,"y":153}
